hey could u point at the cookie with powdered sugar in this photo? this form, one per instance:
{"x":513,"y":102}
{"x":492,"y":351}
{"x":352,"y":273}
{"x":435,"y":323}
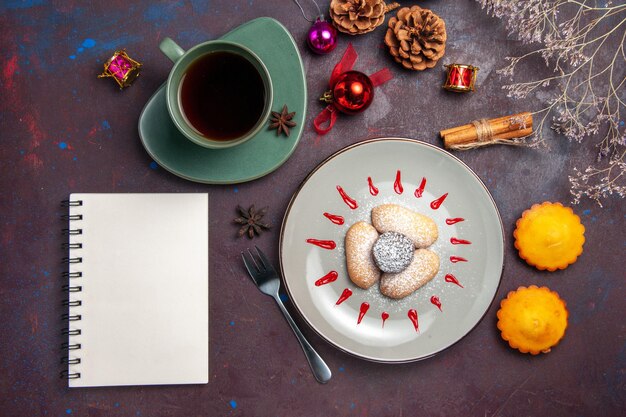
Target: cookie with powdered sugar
{"x":422,"y":269}
{"x":422,"y":230}
{"x":361,"y":267}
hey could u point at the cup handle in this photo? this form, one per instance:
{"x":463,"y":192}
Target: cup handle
{"x":171,"y":49}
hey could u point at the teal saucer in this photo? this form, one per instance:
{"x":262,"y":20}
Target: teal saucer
{"x":260,"y":155}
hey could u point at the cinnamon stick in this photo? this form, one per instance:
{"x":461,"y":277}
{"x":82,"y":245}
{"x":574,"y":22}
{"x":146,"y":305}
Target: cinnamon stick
{"x":446,"y":132}
{"x":483,"y":132}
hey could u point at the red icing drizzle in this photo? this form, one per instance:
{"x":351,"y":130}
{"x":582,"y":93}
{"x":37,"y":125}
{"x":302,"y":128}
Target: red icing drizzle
{"x":435,"y":204}
{"x":384,"y":316}
{"x":397,"y":185}
{"x":452,"y":279}
{"x":346,"y":198}
{"x":327,"y":279}
{"x":455,"y":220}
{"x":455,"y":259}
{"x":420,"y":190}
{"x":362,"y":311}
{"x":413,"y":317}
{"x":435,"y":300}
{"x":456,"y":241}
{"x":334,"y":218}
{"x":344,"y":296}
{"x":324,"y":244}
{"x":373,"y":189}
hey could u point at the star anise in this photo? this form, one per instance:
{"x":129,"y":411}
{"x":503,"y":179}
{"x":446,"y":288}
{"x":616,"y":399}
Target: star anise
{"x":251,"y":221}
{"x":282,"y":121}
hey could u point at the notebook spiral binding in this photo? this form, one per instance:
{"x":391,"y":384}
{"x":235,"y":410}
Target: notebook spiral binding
{"x":71,"y":289}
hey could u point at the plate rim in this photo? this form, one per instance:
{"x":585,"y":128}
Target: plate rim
{"x":275,"y":166}
{"x":322,"y":164}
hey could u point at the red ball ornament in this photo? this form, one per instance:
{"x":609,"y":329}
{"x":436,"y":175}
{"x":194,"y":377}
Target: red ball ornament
{"x":353,"y":92}
{"x":350,"y":91}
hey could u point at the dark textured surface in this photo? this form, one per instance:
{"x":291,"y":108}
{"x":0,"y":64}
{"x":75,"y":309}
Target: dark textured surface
{"x":65,"y":131}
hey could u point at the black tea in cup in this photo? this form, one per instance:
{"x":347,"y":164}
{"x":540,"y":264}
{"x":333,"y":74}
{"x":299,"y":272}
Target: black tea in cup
{"x":222,"y":96}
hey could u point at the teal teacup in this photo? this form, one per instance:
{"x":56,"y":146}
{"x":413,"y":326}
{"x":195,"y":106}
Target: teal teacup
{"x":219,"y":93}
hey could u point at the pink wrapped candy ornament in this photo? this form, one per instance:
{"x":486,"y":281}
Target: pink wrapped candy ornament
{"x":122,"y":68}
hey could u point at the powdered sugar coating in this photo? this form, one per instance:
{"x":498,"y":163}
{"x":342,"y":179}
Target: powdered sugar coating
{"x":424,"y":267}
{"x":362,"y":270}
{"x":422,"y":230}
{"x":393,"y":252}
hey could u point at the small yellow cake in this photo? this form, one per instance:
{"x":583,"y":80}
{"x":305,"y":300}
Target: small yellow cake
{"x":532,"y":319}
{"x":549,"y":236}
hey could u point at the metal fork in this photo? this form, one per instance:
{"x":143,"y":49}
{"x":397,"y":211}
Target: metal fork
{"x":266,"y":279}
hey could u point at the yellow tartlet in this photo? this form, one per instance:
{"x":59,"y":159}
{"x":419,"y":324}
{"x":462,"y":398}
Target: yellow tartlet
{"x":549,"y":236}
{"x":532,"y":319}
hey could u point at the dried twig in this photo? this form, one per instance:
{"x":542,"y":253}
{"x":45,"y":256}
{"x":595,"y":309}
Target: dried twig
{"x":583,"y":42}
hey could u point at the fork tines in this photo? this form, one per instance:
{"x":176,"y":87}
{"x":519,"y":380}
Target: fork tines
{"x":250,"y":264}
{"x":257,"y":264}
{"x":266,"y":262}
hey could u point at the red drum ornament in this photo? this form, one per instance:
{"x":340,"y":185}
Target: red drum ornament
{"x":461,"y":78}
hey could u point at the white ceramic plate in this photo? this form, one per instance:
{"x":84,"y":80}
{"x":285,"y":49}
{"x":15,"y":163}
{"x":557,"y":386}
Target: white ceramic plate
{"x":396,"y":338}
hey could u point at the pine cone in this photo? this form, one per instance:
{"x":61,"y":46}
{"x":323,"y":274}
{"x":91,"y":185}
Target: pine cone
{"x":416,"y":38}
{"x":356,"y":17}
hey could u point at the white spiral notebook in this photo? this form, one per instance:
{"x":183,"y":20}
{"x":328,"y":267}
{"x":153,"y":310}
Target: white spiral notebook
{"x":138,"y":305}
